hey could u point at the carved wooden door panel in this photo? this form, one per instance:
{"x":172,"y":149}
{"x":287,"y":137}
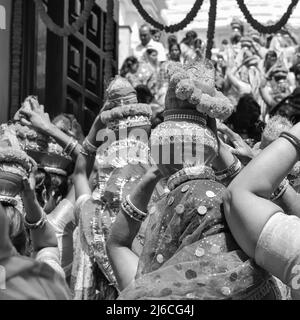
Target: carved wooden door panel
{"x":75,"y":64}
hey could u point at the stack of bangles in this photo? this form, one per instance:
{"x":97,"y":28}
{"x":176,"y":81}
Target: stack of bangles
{"x":231,"y":171}
{"x":292,"y":139}
{"x":88,"y":149}
{"x":132,"y":211}
{"x":71,"y":146}
{"x":279,"y":192}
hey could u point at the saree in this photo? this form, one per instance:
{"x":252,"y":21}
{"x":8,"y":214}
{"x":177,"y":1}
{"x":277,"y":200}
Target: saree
{"x":190,"y":254}
{"x":28,"y":279}
{"x":120,"y":169}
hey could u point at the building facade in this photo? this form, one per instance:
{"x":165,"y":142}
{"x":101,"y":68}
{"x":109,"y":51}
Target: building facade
{"x":66,"y":73}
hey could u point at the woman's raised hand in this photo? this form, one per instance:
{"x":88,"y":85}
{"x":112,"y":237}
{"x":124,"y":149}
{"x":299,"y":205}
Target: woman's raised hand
{"x":240,"y":148}
{"x":33,"y":114}
{"x":29,"y":183}
{"x":141,"y":195}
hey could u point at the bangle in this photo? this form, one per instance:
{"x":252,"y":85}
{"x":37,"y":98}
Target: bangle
{"x":279,"y":192}
{"x":72,"y":144}
{"x":292,"y":139}
{"x":89,"y":147}
{"x":84,"y":152}
{"x":231,"y":171}
{"x":40,"y":224}
{"x":132,"y":211}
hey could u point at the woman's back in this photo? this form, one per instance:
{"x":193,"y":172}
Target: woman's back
{"x":190,"y":253}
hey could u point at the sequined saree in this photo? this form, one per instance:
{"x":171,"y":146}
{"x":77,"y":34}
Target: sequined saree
{"x":189,"y":252}
{"x":119,"y":172}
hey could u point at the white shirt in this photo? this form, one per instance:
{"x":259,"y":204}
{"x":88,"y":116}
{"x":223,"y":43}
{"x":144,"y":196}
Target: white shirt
{"x":140,"y":50}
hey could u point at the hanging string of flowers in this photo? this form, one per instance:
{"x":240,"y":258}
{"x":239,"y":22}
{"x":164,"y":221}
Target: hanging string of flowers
{"x":109,"y":41}
{"x":211,"y":27}
{"x":66,"y":30}
{"x":267,"y":29}
{"x":172,"y":28}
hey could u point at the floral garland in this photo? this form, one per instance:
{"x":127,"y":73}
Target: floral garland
{"x":267,"y":29}
{"x":210,"y":102}
{"x":18,"y":157}
{"x":211,"y":27}
{"x":172,"y":28}
{"x":66,"y":30}
{"x":123,"y":112}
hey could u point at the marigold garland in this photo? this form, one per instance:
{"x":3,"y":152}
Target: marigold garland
{"x":172,"y":28}
{"x":67,"y":30}
{"x":211,"y":27}
{"x":195,"y":89}
{"x":267,"y":29}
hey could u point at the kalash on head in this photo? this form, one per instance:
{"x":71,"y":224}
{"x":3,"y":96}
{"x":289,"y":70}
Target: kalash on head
{"x":128,"y":126}
{"x":191,"y":102}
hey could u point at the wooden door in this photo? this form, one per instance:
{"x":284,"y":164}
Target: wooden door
{"x":75,"y":65}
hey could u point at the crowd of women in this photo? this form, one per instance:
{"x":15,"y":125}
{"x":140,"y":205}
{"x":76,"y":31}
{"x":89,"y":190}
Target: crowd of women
{"x":192,"y":198}
{"x":265,"y":66}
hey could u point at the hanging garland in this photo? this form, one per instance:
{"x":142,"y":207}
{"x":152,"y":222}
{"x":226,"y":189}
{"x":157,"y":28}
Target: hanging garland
{"x":267,"y":29}
{"x":66,"y":30}
{"x":211,"y":27}
{"x":172,"y":28}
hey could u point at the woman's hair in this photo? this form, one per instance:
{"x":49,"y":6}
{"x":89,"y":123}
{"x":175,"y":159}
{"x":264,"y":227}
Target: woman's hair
{"x":198,"y":43}
{"x":40,"y":176}
{"x":275,"y":126}
{"x":154,"y":31}
{"x":17,"y":232}
{"x":225,"y":42}
{"x":271,"y":54}
{"x":144,"y":94}
{"x":190,"y":38}
{"x":57,"y":183}
{"x":50,"y":182}
{"x":172,"y":40}
{"x":246,"y":118}
{"x":289,"y":107}
{"x":150,"y":51}
{"x":174,"y":44}
{"x":295,"y":69}
{"x":127,"y":65}
{"x":235,"y":39}
{"x":70,"y":126}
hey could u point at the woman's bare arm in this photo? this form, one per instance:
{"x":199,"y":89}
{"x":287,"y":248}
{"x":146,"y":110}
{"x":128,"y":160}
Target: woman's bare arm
{"x":246,"y":203}
{"x":84,"y":164}
{"x":124,"y":262}
{"x":45,"y":236}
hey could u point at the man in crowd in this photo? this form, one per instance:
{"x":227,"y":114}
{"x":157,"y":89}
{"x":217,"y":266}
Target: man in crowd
{"x":148,"y":42}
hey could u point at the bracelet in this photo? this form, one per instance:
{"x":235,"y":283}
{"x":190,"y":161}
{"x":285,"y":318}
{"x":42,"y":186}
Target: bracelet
{"x":72,"y":144}
{"x":84,"y":152}
{"x":40,"y":224}
{"x":132,"y":211}
{"x":231,"y":171}
{"x":292,"y":139}
{"x":279,"y":192}
{"x":89,"y":147}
